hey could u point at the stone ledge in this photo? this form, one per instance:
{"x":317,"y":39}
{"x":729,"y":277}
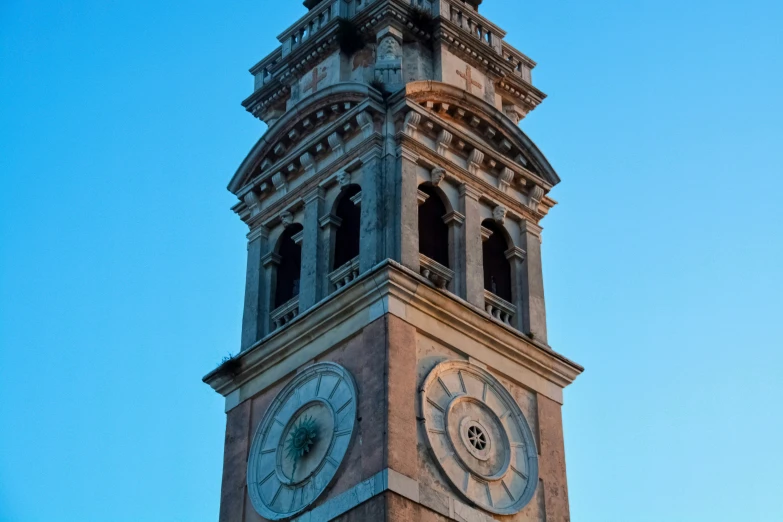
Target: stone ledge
{"x":394,"y":482}
{"x":390,"y":288}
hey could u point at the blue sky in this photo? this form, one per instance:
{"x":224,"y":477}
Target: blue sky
{"x":121,"y":266}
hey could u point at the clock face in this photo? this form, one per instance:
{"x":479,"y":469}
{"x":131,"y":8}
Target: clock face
{"x":479,"y":437}
{"x":302,"y":441}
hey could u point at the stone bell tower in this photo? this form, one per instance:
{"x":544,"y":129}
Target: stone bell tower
{"x":394,"y":360}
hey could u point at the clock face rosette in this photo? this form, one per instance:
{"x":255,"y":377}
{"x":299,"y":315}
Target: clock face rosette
{"x":302,"y":440}
{"x":479,"y":437}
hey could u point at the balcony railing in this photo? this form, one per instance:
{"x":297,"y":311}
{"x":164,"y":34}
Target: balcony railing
{"x":472,"y":23}
{"x":500,"y":309}
{"x":438,"y":274}
{"x":346,"y":274}
{"x":310,"y":25}
{"x":285,"y":313}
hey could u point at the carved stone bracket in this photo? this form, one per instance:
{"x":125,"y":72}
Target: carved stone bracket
{"x":279,"y":181}
{"x":443,"y":141}
{"x":506,"y":179}
{"x":412,"y":120}
{"x":536,"y":193}
{"x":474,"y":161}
{"x":336,"y":143}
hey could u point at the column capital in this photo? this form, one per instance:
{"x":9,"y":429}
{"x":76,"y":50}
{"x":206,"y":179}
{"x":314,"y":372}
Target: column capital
{"x":271,"y":258}
{"x":466,"y":190}
{"x":531,"y":228}
{"x":516,"y":253}
{"x":258,"y":232}
{"x":454,"y":218}
{"x":330,"y":220}
{"x":317,"y":193}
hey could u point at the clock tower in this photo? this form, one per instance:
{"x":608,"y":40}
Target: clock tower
{"x":394,"y":361}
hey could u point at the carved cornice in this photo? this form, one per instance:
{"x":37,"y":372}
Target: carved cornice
{"x":285,"y":350}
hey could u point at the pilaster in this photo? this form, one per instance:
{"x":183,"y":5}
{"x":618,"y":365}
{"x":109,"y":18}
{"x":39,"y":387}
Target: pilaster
{"x":314,"y":255}
{"x":407,"y":211}
{"x":471,"y":256}
{"x":371,"y":232}
{"x":256,"y":308}
{"x":532,"y":281}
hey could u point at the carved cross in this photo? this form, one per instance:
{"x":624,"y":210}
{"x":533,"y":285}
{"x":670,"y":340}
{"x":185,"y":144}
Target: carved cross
{"x":468,"y":77}
{"x":312,"y":83}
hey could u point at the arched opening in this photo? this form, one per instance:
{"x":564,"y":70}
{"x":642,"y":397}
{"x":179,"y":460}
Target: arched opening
{"x":290,"y":267}
{"x":497,"y":269}
{"x":433,"y":231}
{"x":346,"y":243}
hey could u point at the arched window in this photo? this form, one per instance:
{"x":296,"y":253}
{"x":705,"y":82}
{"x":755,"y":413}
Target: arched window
{"x":346,"y":244}
{"x":433,"y":231}
{"x":497,"y":269}
{"x":290,"y":267}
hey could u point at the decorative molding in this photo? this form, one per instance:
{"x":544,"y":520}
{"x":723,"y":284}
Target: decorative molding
{"x":336,"y":143}
{"x":280,"y":183}
{"x":411,"y":123}
{"x":308,"y":162}
{"x":357,"y":198}
{"x":506,"y":179}
{"x":422,"y":197}
{"x":271,"y":259}
{"x":516,"y":253}
{"x":474,"y":161}
{"x":330,"y":220}
{"x":364,"y":119}
{"x":394,"y":289}
{"x":454,"y":218}
{"x":535,"y":193}
{"x":443,"y":141}
{"x":486,"y":233}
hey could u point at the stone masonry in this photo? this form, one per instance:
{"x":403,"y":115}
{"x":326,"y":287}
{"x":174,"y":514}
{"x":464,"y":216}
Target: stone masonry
{"x":394,"y":386}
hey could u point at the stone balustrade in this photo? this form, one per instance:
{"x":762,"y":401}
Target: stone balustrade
{"x":262,"y":72}
{"x":285,"y":313}
{"x":473,"y":23}
{"x":309,"y":26}
{"x":500,"y":309}
{"x":438,"y":274}
{"x":346,"y":274}
{"x":522,"y":65}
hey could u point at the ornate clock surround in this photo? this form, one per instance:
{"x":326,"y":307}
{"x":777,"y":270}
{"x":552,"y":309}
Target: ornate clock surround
{"x":302,"y":440}
{"x":479,"y":437}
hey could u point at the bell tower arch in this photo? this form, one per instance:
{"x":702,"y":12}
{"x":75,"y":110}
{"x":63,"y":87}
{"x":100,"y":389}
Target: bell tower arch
{"x":394,"y":361}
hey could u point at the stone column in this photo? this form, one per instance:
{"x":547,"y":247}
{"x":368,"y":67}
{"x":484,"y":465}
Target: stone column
{"x":532,"y":278}
{"x":313,"y":252}
{"x":371,"y":206}
{"x":470,"y":269}
{"x":407,"y":211}
{"x":256,"y":307}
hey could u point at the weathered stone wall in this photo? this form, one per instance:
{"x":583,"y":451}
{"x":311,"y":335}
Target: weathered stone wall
{"x":365,"y":357}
